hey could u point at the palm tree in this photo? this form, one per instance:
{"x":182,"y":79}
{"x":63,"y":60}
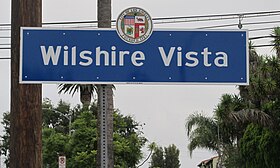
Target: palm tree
{"x":222,"y":132}
{"x":264,"y":77}
{"x":86,"y":91}
{"x":276,"y":41}
{"x":218,"y":133}
{"x":254,"y":61}
{"x":202,"y":132}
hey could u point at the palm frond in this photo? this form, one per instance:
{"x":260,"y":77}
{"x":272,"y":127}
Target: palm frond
{"x":251,"y":116}
{"x":68,"y":88}
{"x":202,"y":132}
{"x":202,"y":140}
{"x":198,"y":120}
{"x":74,"y":88}
{"x":276,"y":41}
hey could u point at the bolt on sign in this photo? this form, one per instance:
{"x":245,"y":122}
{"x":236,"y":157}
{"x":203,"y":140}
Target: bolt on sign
{"x":134,"y":52}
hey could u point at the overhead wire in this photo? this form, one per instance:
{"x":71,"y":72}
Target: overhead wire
{"x":176,"y":19}
{"x":236,"y":24}
{"x":5,"y":29}
{"x":263,"y":45}
{"x":5,"y":58}
{"x":231,"y":15}
{"x":261,"y":29}
{"x":211,"y":19}
{"x":218,"y":15}
{"x":261,"y":37}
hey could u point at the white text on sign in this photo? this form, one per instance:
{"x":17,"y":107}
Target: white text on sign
{"x":52,"y":54}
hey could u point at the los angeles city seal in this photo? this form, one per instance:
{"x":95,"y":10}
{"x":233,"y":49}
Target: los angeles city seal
{"x":134,"y":25}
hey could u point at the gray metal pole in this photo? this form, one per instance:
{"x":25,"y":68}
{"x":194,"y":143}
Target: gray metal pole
{"x":103,"y":126}
{"x":105,"y":157}
{"x":105,"y":115}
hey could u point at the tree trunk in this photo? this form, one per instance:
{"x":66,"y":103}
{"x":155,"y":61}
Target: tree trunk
{"x":104,"y":21}
{"x":85,"y":96}
{"x":26,"y":99}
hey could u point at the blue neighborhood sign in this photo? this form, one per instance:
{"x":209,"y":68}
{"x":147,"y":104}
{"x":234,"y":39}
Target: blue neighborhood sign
{"x":167,"y":57}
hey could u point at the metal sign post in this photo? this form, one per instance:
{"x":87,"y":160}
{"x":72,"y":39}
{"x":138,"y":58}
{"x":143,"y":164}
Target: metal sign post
{"x":105,"y":98}
{"x":103,"y":127}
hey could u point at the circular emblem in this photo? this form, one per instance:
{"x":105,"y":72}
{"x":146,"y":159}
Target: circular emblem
{"x":134,"y":25}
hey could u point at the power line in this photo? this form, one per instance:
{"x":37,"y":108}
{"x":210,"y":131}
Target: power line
{"x":267,"y":22}
{"x":210,"y":19}
{"x":5,"y":24}
{"x":260,"y":29}
{"x":198,"y":19}
{"x":236,"y":24}
{"x":218,"y":26}
{"x":261,"y":37}
{"x":3,"y":58}
{"x":206,"y":27}
{"x":6,"y":29}
{"x":231,"y":15}
{"x":218,"y":15}
{"x":183,"y":21}
{"x":264,"y":45}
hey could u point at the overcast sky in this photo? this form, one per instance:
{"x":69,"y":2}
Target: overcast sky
{"x":163,"y":109}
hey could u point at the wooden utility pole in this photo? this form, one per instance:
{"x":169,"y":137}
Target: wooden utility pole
{"x":105,"y":157}
{"x":26,"y":99}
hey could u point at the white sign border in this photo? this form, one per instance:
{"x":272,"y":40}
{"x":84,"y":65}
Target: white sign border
{"x":134,"y":83}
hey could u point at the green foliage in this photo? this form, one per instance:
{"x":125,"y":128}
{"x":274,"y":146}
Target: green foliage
{"x":54,"y":145}
{"x":127,"y":141}
{"x":233,"y":158}
{"x":5,"y":145}
{"x":56,"y":117}
{"x":250,"y":147}
{"x":165,"y":158}
{"x":72,"y":132}
{"x":220,"y":132}
{"x":157,"y":159}
{"x":83,"y":160}
{"x":260,"y":147}
{"x":276,"y":41}
{"x":83,"y":141}
{"x":204,"y":134}
{"x":172,"y":157}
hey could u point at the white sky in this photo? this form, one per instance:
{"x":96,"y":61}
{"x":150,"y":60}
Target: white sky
{"x":163,"y":109}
